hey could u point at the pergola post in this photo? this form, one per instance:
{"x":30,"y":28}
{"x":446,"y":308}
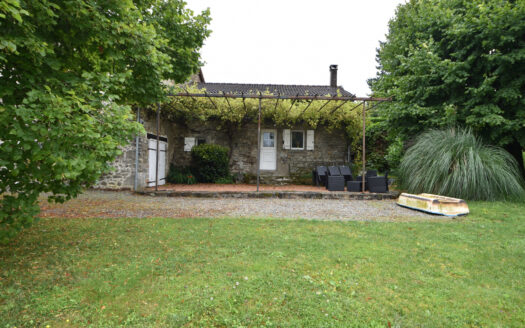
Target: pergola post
{"x":259,"y":145}
{"x":363,"y":173}
{"x":157,"y":159}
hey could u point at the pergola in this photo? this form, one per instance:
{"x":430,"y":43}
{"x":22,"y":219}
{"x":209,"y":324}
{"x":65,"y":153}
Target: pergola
{"x":277,"y":98}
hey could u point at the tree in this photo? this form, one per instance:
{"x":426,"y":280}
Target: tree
{"x":456,"y":62}
{"x":69,"y":72}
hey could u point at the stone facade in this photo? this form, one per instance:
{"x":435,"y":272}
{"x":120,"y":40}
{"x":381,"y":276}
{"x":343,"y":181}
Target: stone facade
{"x":123,"y":174}
{"x":330,"y":148}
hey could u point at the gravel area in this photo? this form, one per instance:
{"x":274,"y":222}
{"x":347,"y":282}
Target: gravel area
{"x":107,"y":204}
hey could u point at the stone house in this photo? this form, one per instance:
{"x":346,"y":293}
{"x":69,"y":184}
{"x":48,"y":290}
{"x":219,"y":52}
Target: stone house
{"x":287,"y":154}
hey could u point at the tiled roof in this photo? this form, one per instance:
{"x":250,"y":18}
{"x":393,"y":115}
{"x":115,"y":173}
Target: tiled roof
{"x":276,"y":89}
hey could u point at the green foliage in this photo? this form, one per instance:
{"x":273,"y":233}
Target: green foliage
{"x":376,"y":146}
{"x":233,"y":114}
{"x":69,"y":71}
{"x":302,"y":178}
{"x":455,"y":62}
{"x":457,"y":164}
{"x":180,"y":175}
{"x":225,"y":180}
{"x":210,"y":162}
{"x":394,"y":153}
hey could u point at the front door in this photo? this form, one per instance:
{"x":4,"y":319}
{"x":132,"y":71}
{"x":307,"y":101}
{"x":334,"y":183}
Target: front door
{"x":269,"y":150}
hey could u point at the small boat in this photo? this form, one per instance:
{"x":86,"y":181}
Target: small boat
{"x":434,"y":204}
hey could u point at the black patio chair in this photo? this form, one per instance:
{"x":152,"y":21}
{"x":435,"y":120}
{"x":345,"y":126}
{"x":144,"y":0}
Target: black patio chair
{"x":335,"y":181}
{"x":359,"y":179}
{"x":334,"y":170}
{"x":354,"y":186}
{"x":346,"y":172}
{"x":378,"y":184}
{"x":371,"y":173}
{"x":319,"y":175}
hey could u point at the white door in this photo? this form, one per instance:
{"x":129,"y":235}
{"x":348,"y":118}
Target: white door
{"x":268,"y":150}
{"x":152,"y":158}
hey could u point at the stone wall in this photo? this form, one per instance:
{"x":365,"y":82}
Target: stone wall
{"x":330,"y":148}
{"x":123,"y":174}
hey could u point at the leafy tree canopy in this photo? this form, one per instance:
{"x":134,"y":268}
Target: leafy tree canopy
{"x":69,"y":71}
{"x":456,"y":62}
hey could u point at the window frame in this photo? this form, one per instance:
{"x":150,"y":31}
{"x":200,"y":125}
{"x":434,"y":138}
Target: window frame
{"x":199,"y":139}
{"x":291,"y":140}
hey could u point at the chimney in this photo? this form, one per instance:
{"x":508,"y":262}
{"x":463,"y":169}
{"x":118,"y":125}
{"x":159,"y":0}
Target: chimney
{"x":333,"y":76}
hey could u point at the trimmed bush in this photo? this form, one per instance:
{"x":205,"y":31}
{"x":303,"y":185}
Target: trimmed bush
{"x":210,"y":162}
{"x":180,"y":175}
{"x":458,"y":164}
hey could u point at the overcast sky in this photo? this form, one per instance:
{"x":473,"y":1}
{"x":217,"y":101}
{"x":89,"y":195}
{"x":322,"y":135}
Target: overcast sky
{"x":293,"y":41}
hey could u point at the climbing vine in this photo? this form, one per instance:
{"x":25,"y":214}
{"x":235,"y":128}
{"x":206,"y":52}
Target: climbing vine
{"x":232,"y":114}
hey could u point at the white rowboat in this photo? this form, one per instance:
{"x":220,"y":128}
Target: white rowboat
{"x":434,"y":204}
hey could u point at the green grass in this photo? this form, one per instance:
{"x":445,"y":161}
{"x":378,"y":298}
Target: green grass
{"x":262,"y":272}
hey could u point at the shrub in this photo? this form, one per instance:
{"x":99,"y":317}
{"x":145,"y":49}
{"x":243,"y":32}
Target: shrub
{"x":209,"y":162}
{"x":225,"y":180}
{"x":457,"y":164}
{"x":180,"y":175}
{"x":394,"y":154}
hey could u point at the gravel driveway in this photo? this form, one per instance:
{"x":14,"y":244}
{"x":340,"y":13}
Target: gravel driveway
{"x":109,"y":204}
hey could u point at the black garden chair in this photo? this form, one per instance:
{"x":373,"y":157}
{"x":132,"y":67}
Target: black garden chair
{"x":335,"y":181}
{"x":346,"y":172}
{"x":356,"y":185}
{"x":319,"y":176}
{"x":378,"y":184}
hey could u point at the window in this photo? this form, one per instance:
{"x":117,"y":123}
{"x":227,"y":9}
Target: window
{"x":268,"y":139}
{"x":201,"y":141}
{"x":297,"y":139}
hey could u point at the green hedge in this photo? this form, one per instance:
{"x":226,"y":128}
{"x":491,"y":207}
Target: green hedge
{"x":210,"y":163}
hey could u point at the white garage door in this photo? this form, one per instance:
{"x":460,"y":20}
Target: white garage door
{"x":152,"y":150}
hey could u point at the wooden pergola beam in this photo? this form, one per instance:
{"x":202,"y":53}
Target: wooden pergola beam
{"x":297,"y":97}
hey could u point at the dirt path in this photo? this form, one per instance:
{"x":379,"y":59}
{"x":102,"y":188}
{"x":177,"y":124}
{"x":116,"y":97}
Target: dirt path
{"x":107,"y":204}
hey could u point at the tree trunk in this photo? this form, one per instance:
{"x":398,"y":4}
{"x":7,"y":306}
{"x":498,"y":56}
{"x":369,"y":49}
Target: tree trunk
{"x":516,"y":150}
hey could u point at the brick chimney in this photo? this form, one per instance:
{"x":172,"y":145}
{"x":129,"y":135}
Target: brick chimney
{"x":333,"y":76}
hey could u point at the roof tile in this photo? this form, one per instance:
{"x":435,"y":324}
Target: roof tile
{"x":276,"y":89}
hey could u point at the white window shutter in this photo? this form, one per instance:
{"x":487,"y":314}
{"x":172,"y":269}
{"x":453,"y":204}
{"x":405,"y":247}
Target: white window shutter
{"x":286,"y":139}
{"x":310,"y":140}
{"x":189,"y":142}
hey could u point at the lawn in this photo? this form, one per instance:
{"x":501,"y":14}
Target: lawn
{"x":268,"y":272}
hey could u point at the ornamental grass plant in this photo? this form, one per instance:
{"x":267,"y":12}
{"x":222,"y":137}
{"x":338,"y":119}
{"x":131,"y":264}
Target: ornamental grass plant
{"x":456,"y":163}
